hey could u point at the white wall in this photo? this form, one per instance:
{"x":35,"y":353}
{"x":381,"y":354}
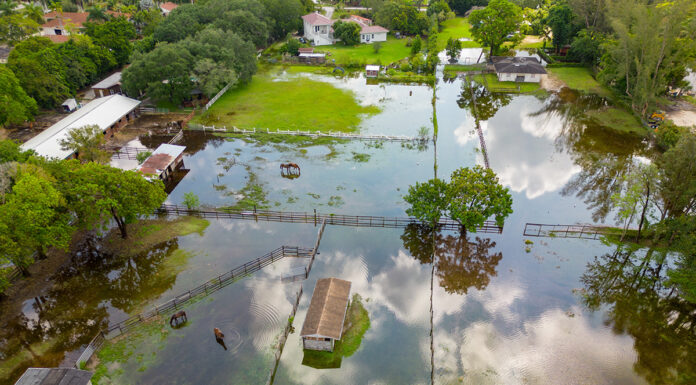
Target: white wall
{"x":528,"y":78}
{"x":372,"y":37}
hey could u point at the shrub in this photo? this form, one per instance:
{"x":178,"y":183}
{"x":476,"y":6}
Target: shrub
{"x":376,"y":46}
{"x":191,"y":200}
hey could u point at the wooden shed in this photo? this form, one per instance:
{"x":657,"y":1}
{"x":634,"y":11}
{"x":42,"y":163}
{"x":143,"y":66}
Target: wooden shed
{"x":371,"y":71}
{"x":323,"y":324}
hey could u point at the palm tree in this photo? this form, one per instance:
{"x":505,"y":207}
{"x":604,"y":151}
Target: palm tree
{"x":34,"y":12}
{"x":8,"y":8}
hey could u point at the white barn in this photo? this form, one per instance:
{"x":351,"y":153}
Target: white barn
{"x":109,"y":113}
{"x":518,"y":69}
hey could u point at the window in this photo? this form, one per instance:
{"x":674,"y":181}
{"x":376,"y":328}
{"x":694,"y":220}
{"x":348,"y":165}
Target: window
{"x":327,"y":339}
{"x":316,"y":28}
{"x":373,"y":35}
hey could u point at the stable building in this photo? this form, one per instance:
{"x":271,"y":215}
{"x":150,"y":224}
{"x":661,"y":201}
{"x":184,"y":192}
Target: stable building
{"x":323,"y":325}
{"x":166,"y":159}
{"x":111,"y":85}
{"x":518,"y":69}
{"x":55,"y":376}
{"x":109,"y":113}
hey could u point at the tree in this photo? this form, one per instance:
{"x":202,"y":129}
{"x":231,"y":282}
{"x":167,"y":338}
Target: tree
{"x":493,"y":25}
{"x":636,"y":195}
{"x":560,"y":19}
{"x":212,"y":77}
{"x":17,"y":27}
{"x":191,"y":200}
{"x":88,"y":143}
{"x":471,"y":197}
{"x":348,"y":32}
{"x":245,"y":24}
{"x":677,"y":179}
{"x":146,"y":20}
{"x":460,"y":7}
{"x":11,"y":152}
{"x":15,"y":105}
{"x":292,"y":47}
{"x":647,"y":46}
{"x":440,"y":10}
{"x":97,"y":14}
{"x":181,"y":23}
{"x":33,"y":217}
{"x":285,"y":16}
{"x":115,"y":35}
{"x":416,"y":46}
{"x":98,"y":193}
{"x":454,"y":47}
{"x":163,"y":73}
{"x":586,"y":48}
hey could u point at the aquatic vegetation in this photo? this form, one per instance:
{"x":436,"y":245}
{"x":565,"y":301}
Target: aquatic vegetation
{"x":336,"y":201}
{"x":360,"y":157}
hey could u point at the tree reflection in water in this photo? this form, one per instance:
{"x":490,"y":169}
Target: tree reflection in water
{"x":78,"y":305}
{"x":460,"y":264}
{"x":631,"y":284}
{"x":487,"y":103}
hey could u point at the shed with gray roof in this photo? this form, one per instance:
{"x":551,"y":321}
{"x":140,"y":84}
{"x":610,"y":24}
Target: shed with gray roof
{"x":518,"y":69}
{"x":323,"y":324}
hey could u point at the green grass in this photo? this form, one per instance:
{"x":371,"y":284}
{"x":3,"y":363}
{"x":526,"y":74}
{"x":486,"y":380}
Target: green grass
{"x":617,"y":119}
{"x":391,"y":51}
{"x":456,"y":28}
{"x":146,"y":233}
{"x":494,"y":85}
{"x":463,"y":67}
{"x":298,"y":103}
{"x":579,"y":78}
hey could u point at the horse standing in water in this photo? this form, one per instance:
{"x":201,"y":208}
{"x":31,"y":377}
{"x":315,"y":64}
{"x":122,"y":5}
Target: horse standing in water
{"x":289,"y":168}
{"x":219,"y":337}
{"x":176,"y":317}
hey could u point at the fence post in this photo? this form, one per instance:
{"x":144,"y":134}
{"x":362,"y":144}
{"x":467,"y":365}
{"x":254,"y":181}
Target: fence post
{"x":315,"y":217}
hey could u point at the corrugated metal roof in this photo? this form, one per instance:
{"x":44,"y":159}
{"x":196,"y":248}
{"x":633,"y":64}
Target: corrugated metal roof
{"x":109,"y":82}
{"x":103,"y":112}
{"x":327,"y":310}
{"x":161,"y":158}
{"x":54,"y":376}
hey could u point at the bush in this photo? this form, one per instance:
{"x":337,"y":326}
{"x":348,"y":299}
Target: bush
{"x":292,"y":47}
{"x":668,"y":135}
{"x":191,"y":201}
{"x":141,"y":156}
{"x":376,"y":46}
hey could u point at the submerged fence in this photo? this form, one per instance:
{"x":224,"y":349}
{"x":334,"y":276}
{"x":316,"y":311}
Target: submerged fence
{"x":312,"y":134}
{"x":177,"y":302}
{"x":567,"y":231}
{"x":316,"y":218}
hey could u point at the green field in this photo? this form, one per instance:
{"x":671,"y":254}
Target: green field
{"x":579,"y":78}
{"x":298,"y":103}
{"x":456,"y":28}
{"x":392,"y":50}
{"x":617,"y":119}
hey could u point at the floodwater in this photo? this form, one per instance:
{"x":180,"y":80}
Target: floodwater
{"x":555,"y":311}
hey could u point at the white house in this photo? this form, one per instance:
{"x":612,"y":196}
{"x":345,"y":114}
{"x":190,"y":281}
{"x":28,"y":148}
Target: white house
{"x":518,"y":69}
{"x":318,"y":29}
{"x":109,"y":113}
{"x":167,"y":7}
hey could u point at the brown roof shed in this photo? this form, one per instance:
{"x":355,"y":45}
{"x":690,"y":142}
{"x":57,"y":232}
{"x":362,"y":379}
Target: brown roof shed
{"x":327,"y":311}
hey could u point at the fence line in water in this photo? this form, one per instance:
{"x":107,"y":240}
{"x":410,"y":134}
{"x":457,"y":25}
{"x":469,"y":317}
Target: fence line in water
{"x":313,"y":134}
{"x":317,"y":218}
{"x":208,"y":287}
{"x":567,"y":231}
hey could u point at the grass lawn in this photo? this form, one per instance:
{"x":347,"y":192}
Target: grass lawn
{"x":464,"y":67}
{"x":392,"y":50}
{"x":298,"y":103}
{"x":579,"y":78}
{"x":617,"y":119}
{"x":494,"y":85}
{"x":456,"y":28}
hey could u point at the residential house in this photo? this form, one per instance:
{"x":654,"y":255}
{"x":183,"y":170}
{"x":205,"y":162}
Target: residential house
{"x":167,"y":7}
{"x":518,"y":69}
{"x":55,"y":376}
{"x":319,"y":29}
{"x":111,"y":85}
{"x":163,"y":161}
{"x":323,"y":324}
{"x":109,"y":113}
{"x":57,"y":23}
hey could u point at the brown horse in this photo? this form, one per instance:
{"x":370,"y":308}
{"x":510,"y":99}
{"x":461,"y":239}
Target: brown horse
{"x":219,"y":337}
{"x":176,"y":317}
{"x":290,"y":168}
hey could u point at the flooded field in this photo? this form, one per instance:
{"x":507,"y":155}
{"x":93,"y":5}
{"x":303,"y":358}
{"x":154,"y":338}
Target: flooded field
{"x":555,"y":310}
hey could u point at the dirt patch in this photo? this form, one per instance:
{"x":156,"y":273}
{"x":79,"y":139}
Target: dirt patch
{"x":683,"y":118}
{"x":531,"y":40}
{"x":551,"y":82}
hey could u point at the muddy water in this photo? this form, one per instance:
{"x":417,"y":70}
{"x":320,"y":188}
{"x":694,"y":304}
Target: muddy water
{"x":563,"y":311}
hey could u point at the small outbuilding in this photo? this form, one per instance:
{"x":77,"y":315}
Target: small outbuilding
{"x":55,"y":376}
{"x":163,"y":161}
{"x":323,"y":325}
{"x":69,"y":105}
{"x":168,"y":7}
{"x":111,"y":85}
{"x":371,"y":71}
{"x":518,"y":69}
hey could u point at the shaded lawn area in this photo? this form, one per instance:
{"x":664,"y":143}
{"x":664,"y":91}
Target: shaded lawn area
{"x":618,"y":119}
{"x":579,"y":78}
{"x":494,"y":85}
{"x":392,"y":50}
{"x":456,"y":28}
{"x":297,"y":103}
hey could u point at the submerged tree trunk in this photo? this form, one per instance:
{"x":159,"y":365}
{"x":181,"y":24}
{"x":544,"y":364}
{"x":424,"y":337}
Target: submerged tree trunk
{"x":645,"y":208}
{"x":120,"y":222}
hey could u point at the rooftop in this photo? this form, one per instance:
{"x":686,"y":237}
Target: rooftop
{"x":161,"y":158}
{"x":517,"y":65}
{"x":317,"y":19}
{"x":371,"y":68}
{"x":103,"y":112}
{"x":169,"y":6}
{"x":327,"y":310}
{"x":110,"y":81}
{"x":373,"y":29}
{"x":54,"y":376}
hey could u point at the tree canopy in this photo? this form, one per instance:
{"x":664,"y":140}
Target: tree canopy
{"x":496,"y":24}
{"x":15,"y":105}
{"x":348,"y":32}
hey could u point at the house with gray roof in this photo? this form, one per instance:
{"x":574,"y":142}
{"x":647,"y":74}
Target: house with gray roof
{"x":518,"y":69}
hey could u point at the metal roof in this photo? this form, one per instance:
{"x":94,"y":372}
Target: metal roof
{"x":327,"y":311}
{"x":371,"y":68}
{"x":103,"y":112}
{"x":110,"y":81}
{"x":161,"y":158}
{"x":54,"y":376}
{"x":517,"y":65}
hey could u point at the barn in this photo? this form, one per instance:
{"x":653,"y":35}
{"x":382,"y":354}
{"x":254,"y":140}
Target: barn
{"x":323,"y":325}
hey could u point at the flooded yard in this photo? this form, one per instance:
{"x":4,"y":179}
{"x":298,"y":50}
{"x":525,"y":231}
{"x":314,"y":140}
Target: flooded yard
{"x":505,"y":308}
